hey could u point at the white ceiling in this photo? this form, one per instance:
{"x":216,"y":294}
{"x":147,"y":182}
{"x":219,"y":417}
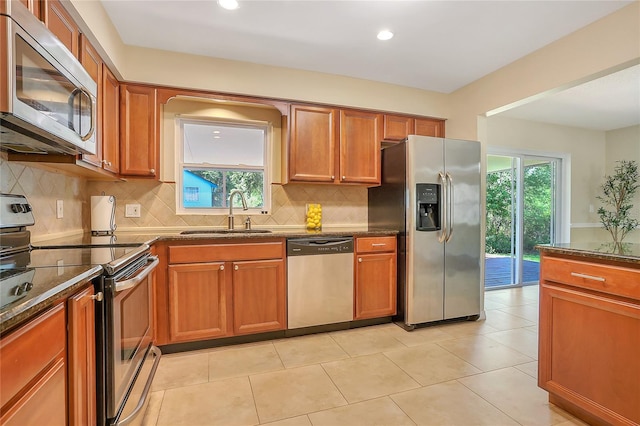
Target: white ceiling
{"x":438,"y":45}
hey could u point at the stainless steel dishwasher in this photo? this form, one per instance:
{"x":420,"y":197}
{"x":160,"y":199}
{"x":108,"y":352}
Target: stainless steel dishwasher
{"x":320,"y":281}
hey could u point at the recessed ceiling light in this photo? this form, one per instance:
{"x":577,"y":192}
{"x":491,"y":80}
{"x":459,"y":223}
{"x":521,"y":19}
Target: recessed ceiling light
{"x":216,"y":137}
{"x":385,"y":35}
{"x":228,"y":4}
{"x":215,"y":132}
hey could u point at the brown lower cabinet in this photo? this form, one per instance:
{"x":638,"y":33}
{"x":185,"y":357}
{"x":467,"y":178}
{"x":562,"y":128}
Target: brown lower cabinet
{"x":589,"y":338}
{"x":33,"y":371}
{"x":47,"y":366}
{"x":223,"y":290}
{"x":375,"y":277}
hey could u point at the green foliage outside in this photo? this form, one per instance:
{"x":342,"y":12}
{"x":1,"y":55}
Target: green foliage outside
{"x":251,"y":183}
{"x":537,"y":209}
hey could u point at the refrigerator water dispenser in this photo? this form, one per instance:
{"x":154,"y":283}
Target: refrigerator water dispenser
{"x":428,"y":207}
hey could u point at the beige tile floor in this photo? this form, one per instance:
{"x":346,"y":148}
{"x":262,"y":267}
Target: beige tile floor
{"x":470,"y":373}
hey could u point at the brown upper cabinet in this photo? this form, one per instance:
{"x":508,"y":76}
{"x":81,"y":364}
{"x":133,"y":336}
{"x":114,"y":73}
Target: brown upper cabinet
{"x":110,"y":121}
{"x":33,"y":6}
{"x":429,"y":127}
{"x":60,"y":23}
{"x":397,"y":127}
{"x":139,"y":151}
{"x":92,"y":63}
{"x":319,"y":152}
{"x":360,"y":135}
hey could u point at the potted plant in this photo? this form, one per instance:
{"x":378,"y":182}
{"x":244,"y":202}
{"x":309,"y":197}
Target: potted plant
{"x":617,"y":195}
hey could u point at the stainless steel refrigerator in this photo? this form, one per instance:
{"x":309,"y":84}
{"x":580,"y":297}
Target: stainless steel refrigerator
{"x":430,"y":193}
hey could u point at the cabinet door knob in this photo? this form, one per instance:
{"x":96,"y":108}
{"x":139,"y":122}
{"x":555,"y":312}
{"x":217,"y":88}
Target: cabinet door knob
{"x":98,"y":296}
{"x":333,"y":177}
{"x":344,"y":177}
{"x":236,"y":267}
{"x":222,"y":267}
{"x":359,"y":260}
{"x":109,"y":163}
{"x":152,"y":171}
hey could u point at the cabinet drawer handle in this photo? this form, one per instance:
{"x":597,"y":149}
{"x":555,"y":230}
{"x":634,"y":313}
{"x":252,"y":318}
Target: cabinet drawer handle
{"x":222,"y":267}
{"x":378,"y":244}
{"x":236,"y":267}
{"x":587,"y":277}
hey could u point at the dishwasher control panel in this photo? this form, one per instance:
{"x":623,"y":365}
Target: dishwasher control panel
{"x":319,"y":246}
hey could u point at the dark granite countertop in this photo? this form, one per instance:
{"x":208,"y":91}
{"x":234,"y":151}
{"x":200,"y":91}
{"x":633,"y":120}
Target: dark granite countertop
{"x":49,"y":285}
{"x":52,"y":284}
{"x":627,"y":252}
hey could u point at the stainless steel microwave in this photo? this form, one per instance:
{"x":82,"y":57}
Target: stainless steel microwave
{"x":47,"y":99}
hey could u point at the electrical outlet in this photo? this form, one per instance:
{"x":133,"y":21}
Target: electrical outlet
{"x":60,"y":264}
{"x":591,"y":208}
{"x":59,"y":209}
{"x":132,"y":210}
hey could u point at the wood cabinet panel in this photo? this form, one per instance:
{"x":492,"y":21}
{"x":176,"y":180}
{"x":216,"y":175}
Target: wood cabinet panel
{"x":360,"y":136}
{"x":81,"y":344}
{"x":62,"y":25}
{"x":110,"y":121}
{"x":589,"y":352}
{"x":225,"y":252}
{"x":604,"y":278}
{"x":429,"y":127}
{"x":20,"y":364}
{"x":199,"y":301}
{"x":259,"y":296}
{"x":138,"y":133}
{"x":375,"y":244}
{"x":44,"y":403}
{"x":375,"y":285}
{"x":312,"y":143}
{"x":33,"y":6}
{"x":397,"y":127}
{"x":92,"y":63}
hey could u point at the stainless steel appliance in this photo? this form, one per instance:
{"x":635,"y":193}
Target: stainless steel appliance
{"x":126,"y":359}
{"x":319,"y":281}
{"x":47,"y":99}
{"x":430,"y":193}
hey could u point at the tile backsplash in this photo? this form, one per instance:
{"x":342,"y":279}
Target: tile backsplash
{"x":341,"y":205}
{"x":42,"y":188}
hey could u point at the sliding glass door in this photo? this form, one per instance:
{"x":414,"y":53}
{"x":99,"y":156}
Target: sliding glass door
{"x":522,"y":208}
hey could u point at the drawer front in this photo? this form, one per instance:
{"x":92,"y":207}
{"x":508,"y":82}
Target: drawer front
{"x":606,"y":278}
{"x":225,"y":252}
{"x":19,"y":362}
{"x":375,"y":244}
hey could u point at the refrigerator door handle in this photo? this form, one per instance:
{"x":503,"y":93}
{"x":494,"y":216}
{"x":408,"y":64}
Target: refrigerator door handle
{"x":442,"y":238}
{"x":450,"y":208}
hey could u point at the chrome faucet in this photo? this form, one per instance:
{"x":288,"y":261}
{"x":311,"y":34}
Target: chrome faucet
{"x":244,"y":205}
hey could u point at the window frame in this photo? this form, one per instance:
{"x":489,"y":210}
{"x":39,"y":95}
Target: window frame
{"x":181,"y":165}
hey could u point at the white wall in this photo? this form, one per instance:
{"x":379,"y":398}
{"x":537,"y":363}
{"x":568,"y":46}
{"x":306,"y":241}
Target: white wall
{"x":624,"y":144}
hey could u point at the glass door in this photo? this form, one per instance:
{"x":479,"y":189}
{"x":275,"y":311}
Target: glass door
{"x":521,"y":209}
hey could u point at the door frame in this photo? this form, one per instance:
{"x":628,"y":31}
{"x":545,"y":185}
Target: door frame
{"x":562,"y":201}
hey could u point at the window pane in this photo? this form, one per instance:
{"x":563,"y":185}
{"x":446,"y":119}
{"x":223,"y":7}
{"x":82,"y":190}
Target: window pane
{"x":211,"y":187}
{"x":223,"y":144}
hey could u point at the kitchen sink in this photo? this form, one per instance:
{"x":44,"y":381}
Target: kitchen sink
{"x":228,"y":231}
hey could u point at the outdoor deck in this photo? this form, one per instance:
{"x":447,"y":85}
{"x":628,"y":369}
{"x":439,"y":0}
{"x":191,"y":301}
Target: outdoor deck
{"x":497,"y":271}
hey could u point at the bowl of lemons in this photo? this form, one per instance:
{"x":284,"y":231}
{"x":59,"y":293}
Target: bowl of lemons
{"x":314,"y":216}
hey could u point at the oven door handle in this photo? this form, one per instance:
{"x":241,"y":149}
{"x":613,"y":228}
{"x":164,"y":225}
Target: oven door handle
{"x":142,"y":274}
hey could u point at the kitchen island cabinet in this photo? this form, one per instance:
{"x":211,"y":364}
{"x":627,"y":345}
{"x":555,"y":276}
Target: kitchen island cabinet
{"x":375,"y":277}
{"x":590,"y":332}
{"x":223,"y":290}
